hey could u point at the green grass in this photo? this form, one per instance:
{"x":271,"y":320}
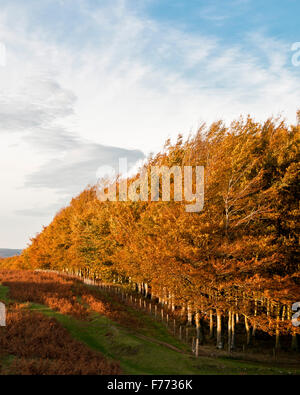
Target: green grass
{"x":143,"y":355}
{"x":3,"y":294}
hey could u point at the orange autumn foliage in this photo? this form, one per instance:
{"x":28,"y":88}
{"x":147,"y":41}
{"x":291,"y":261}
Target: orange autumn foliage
{"x":246,"y":238}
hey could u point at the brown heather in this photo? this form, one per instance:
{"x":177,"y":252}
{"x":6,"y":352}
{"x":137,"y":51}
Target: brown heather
{"x":40,"y":346}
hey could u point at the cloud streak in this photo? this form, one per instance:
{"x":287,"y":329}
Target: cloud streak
{"x":34,"y":105}
{"x":78,"y":168}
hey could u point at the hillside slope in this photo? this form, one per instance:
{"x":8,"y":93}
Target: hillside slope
{"x":9,"y":252}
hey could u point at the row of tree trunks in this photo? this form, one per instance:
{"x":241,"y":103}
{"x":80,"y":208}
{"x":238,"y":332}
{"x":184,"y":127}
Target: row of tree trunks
{"x":194,"y":315}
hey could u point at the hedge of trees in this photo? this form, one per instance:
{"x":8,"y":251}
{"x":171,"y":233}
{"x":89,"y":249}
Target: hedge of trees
{"x":239,"y":255}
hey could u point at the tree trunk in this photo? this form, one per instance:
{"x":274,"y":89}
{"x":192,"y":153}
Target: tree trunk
{"x":189,"y":315}
{"x":247,"y":331}
{"x":183,"y":310}
{"x":229,"y":329}
{"x":232,"y":330}
{"x":199,"y":328}
{"x":197,"y":322}
{"x":211,"y":324}
{"x":255,"y":314}
{"x":277,"y":343}
{"x":173,"y":303}
{"x":219,"y":330}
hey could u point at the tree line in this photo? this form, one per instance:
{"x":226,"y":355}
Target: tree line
{"x":238,"y":257}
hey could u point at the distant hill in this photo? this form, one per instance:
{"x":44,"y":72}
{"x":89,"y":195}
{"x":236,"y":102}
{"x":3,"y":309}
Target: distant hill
{"x":7,"y":252}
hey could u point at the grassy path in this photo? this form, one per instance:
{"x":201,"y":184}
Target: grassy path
{"x":151,"y":350}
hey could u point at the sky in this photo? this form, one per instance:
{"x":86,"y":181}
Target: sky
{"x":85,"y":82}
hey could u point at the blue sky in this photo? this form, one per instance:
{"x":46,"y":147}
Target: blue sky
{"x":88,"y":81}
{"x":228,"y":19}
{"x":231,"y":19}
